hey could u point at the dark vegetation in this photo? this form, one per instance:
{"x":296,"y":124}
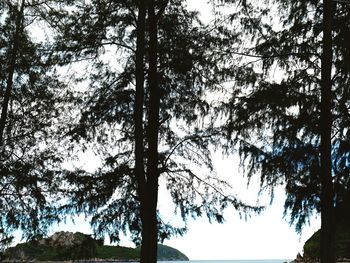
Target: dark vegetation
{"x":60,"y":246}
{"x":342,"y":237}
{"x":153,"y":91}
{"x":81,"y":247}
{"x":342,"y":244}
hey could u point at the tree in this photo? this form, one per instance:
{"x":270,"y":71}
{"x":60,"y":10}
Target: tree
{"x":133,"y":125}
{"x":328,"y":230}
{"x":148,"y":185}
{"x":11,"y":68}
{"x":29,"y":90}
{"x":298,"y":145}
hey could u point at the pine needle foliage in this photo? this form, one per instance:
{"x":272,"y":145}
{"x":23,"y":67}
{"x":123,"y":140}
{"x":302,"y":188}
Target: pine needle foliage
{"x":103,"y":35}
{"x":275,"y":119}
{"x":31,"y":98}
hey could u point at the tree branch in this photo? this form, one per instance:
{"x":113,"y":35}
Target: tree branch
{"x":162,"y":8}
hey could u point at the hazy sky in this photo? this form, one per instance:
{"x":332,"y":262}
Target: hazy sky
{"x":267,"y":236}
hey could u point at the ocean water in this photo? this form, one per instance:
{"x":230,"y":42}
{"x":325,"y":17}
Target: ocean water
{"x":232,"y":261}
{"x":226,"y":261}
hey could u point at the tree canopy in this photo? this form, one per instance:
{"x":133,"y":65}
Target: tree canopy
{"x":107,"y":112}
{"x":296,"y":105}
{"x":276,"y":121}
{"x":31,"y":102}
{"x":154,"y":92}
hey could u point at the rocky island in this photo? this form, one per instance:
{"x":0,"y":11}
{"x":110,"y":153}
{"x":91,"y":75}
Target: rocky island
{"x":67,"y":246}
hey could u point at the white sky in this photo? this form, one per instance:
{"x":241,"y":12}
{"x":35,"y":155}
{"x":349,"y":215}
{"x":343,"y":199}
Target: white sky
{"x":264,"y":236}
{"x":267,"y":236}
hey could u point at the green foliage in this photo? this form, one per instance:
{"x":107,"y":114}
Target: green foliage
{"x":83,"y":247}
{"x":169,"y":253}
{"x":312,"y":245}
{"x":117,"y":252}
{"x":32,"y":251}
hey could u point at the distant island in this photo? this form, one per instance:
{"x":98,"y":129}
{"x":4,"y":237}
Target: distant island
{"x":63,"y":246}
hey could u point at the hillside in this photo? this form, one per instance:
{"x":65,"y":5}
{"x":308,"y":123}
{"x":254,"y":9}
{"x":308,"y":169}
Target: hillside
{"x":73,"y":246}
{"x":170,"y":253}
{"x":312,"y":245}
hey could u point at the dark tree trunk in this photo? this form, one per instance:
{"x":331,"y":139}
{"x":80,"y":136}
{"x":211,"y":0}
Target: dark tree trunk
{"x":139,"y":101}
{"x":150,"y":233}
{"x":10,"y":72}
{"x":327,"y":195}
{"x":147,"y":183}
{"x":139,"y":132}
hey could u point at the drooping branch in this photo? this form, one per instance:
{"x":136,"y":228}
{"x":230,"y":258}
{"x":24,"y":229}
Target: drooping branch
{"x":181,"y":142}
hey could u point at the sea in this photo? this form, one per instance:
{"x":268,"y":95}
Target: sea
{"x":233,"y":261}
{"x":221,"y":261}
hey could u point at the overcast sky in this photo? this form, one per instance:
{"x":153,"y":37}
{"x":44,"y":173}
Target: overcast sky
{"x":266,"y":236}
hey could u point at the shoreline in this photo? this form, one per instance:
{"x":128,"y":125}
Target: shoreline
{"x":71,"y":261}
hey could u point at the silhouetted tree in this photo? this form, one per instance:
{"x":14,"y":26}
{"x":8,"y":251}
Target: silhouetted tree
{"x":29,"y":108}
{"x":327,"y":198}
{"x":151,"y":129}
{"x":283,"y":121}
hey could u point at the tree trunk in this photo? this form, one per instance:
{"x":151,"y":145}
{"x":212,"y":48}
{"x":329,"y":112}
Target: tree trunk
{"x":10,"y":72}
{"x":150,"y":234}
{"x":327,"y":195}
{"x":139,"y":132}
{"x":139,"y":101}
{"x":147,"y":183}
